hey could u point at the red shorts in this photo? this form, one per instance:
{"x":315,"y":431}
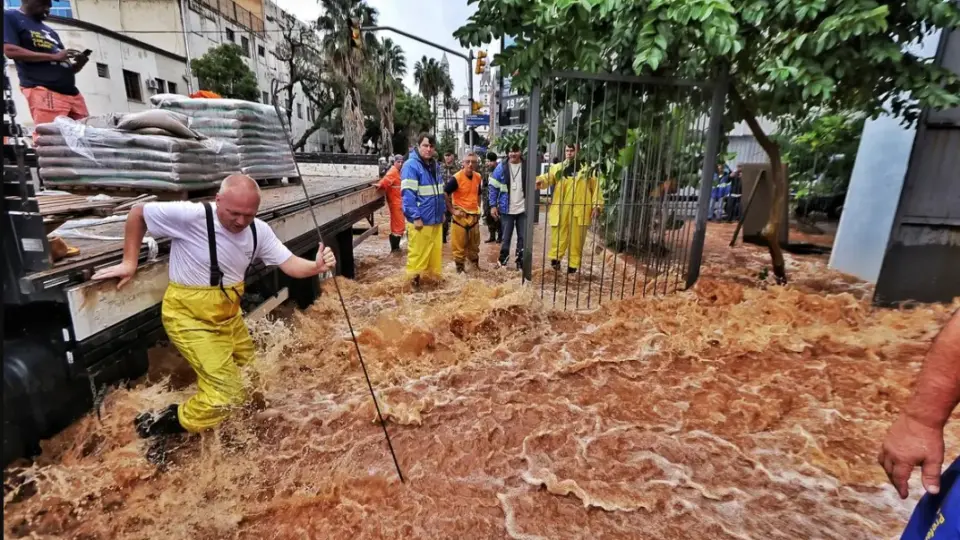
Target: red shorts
{"x":45,"y":105}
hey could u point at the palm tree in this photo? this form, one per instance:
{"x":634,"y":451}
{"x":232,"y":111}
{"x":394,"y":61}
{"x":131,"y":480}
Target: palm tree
{"x":390,"y":65}
{"x":347,"y":61}
{"x":432,"y":81}
{"x":450,"y":104}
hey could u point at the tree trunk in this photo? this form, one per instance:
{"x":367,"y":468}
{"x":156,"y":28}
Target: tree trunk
{"x":352,"y":120}
{"x":306,"y":135}
{"x":386,"y":126}
{"x":772,"y":229}
{"x":435,"y":125}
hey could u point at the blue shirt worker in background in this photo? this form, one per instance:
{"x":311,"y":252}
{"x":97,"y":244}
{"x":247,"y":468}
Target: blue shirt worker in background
{"x":508,"y":203}
{"x":916,"y":440}
{"x":424,"y":206}
{"x":47,"y":70}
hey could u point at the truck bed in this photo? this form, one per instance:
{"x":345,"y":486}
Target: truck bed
{"x":273,"y":200}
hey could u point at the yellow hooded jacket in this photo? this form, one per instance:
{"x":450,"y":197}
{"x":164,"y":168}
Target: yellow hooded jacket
{"x":576,"y":196}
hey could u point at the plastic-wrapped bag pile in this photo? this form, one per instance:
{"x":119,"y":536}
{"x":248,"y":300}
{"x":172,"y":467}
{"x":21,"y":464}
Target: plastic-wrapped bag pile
{"x":253,"y":127}
{"x":153,"y":149}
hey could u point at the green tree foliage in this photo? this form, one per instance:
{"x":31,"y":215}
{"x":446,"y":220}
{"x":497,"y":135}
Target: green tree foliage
{"x":820,"y":151}
{"x":309,"y":75}
{"x":447,"y":143}
{"x":432,"y":81}
{"x":390,"y":65}
{"x":223,"y":71}
{"x":784,"y":57}
{"x":345,"y":62}
{"x":412,"y":118}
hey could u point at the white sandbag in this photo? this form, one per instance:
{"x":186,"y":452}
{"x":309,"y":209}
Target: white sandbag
{"x":170,"y":121}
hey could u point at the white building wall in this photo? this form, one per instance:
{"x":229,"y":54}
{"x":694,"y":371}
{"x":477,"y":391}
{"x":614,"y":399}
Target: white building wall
{"x":874,"y":193}
{"x":137,"y":16}
{"x":207,"y":29}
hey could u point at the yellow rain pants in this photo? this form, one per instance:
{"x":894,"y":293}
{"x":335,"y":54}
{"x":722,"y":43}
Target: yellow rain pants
{"x":562,"y":237}
{"x":209,"y":331}
{"x":465,"y":238}
{"x":424,"y":250}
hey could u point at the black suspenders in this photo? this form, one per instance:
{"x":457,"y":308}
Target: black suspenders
{"x":216,"y":275}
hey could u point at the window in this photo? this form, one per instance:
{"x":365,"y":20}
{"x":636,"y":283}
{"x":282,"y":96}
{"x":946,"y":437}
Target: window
{"x":309,"y":113}
{"x":261,"y":51}
{"x":161,"y":86}
{"x":131,"y":83}
{"x":299,"y":111}
{"x":230,"y":35}
{"x":103,"y":71}
{"x":245,"y":45}
{"x":172,"y":87}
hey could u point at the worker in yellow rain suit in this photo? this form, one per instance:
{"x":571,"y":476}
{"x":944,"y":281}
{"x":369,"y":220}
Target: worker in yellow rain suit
{"x":424,"y":206}
{"x":462,"y":194}
{"x":577,"y":198}
{"x":211,"y":247}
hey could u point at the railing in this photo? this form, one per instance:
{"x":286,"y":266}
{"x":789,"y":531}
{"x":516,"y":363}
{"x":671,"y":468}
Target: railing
{"x":233,"y":13}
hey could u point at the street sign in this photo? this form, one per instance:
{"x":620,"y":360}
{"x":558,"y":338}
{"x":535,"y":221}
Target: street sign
{"x":477,"y":120}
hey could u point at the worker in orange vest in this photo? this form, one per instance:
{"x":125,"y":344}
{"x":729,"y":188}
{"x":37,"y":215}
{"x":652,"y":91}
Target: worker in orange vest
{"x":390,"y":185}
{"x":462,"y":194}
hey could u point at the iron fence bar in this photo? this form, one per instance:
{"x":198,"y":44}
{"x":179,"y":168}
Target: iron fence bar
{"x":588,"y":205}
{"x":620,"y":78}
{"x":636,"y":196}
{"x":684,"y":233}
{"x":701,"y":135}
{"x":646,"y":222}
{"x":706,"y":177}
{"x":594,"y":248}
{"x":657,"y":202}
{"x":673,"y":233}
{"x":603,"y":239}
{"x":532,"y":161}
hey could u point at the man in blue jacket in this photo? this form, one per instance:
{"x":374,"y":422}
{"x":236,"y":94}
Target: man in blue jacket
{"x":424,"y":207}
{"x":507,"y":197}
{"x":916,"y":439}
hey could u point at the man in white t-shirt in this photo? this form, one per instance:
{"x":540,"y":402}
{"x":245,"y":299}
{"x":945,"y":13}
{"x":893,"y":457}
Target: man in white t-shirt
{"x":201,"y":307}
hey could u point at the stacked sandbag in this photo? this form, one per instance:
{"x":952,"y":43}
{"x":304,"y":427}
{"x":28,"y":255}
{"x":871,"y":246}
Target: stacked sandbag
{"x":253,"y":127}
{"x":77,"y":154}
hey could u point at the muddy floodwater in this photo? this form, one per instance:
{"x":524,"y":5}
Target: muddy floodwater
{"x":737,"y":409}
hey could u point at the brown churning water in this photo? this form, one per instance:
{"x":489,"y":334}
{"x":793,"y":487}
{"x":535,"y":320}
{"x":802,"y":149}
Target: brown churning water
{"x":734,"y":410}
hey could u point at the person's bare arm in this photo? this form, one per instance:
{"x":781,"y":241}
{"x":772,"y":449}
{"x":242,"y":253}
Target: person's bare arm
{"x":916,"y":438}
{"x":18,"y":53}
{"x":298,"y":267}
{"x":133,"y":232}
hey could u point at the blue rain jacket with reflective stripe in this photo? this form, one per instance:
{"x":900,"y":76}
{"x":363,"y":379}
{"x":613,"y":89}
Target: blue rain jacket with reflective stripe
{"x":422,"y":191}
{"x":499,"y":191}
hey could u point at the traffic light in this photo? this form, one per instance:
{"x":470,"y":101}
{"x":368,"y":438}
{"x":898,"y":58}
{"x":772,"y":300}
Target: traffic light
{"x":355,"y":40}
{"x":475,"y":107}
{"x":481,"y":62}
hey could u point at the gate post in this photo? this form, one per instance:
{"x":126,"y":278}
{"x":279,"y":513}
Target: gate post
{"x":533,"y":195}
{"x":706,"y":175}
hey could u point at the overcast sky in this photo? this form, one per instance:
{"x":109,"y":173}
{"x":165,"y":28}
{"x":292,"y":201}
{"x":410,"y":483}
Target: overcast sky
{"x":435,"y":20}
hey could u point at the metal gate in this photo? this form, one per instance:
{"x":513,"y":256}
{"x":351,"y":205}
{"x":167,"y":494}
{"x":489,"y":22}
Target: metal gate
{"x":623,"y":198}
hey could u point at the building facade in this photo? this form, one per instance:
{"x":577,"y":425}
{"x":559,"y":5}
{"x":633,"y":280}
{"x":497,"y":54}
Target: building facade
{"x":144,"y":47}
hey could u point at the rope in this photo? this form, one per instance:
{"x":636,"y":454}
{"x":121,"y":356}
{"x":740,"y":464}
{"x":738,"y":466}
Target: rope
{"x":274,"y":86}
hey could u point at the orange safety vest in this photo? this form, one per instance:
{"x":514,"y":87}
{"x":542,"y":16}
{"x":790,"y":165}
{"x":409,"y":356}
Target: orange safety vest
{"x":467,"y":195}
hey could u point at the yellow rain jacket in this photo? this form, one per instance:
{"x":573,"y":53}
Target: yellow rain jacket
{"x":571,"y":211}
{"x":573,"y":198}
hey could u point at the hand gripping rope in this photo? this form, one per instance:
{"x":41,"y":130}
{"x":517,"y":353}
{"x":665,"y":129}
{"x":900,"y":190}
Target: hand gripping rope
{"x":274,"y":90}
